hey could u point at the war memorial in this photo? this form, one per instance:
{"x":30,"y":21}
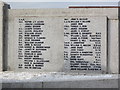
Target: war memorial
{"x":59,"y":48}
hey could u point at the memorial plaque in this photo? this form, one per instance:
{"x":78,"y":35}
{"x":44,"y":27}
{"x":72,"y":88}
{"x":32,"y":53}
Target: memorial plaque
{"x":39,"y":44}
{"x":54,"y":44}
{"x":85,"y":44}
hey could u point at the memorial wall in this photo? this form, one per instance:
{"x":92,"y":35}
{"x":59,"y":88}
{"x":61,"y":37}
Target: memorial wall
{"x":75,"y":40}
{"x":59,"y":43}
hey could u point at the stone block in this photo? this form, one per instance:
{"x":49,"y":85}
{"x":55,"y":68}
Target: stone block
{"x":46,"y":44}
{"x":22,"y":85}
{"x":82,"y":84}
{"x":1,"y":35}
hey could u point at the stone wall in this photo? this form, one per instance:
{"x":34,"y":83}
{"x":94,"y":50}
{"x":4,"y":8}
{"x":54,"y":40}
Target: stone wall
{"x":53,"y":35}
{"x":112,"y":27}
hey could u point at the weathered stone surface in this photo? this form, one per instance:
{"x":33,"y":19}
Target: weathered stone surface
{"x":52,"y":35}
{"x":112,"y":26}
{"x":105,"y":20}
{"x":113,"y":46}
{"x":85,"y":45}
{"x":58,"y":80}
{"x":45,"y":46}
{"x":65,"y":84}
{"x":111,"y":13}
{"x":1,"y":35}
{"x":91,"y":12}
{"x":83,"y":84}
{"x":22,"y":85}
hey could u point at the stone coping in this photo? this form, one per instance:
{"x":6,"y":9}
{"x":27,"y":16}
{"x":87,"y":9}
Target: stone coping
{"x":8,"y":77}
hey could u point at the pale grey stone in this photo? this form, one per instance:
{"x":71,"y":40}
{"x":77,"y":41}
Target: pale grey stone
{"x":113,"y":46}
{"x":82,"y":84}
{"x":22,"y":85}
{"x":112,"y":26}
{"x":53,"y":30}
{"x":58,"y":80}
{"x":1,"y":35}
